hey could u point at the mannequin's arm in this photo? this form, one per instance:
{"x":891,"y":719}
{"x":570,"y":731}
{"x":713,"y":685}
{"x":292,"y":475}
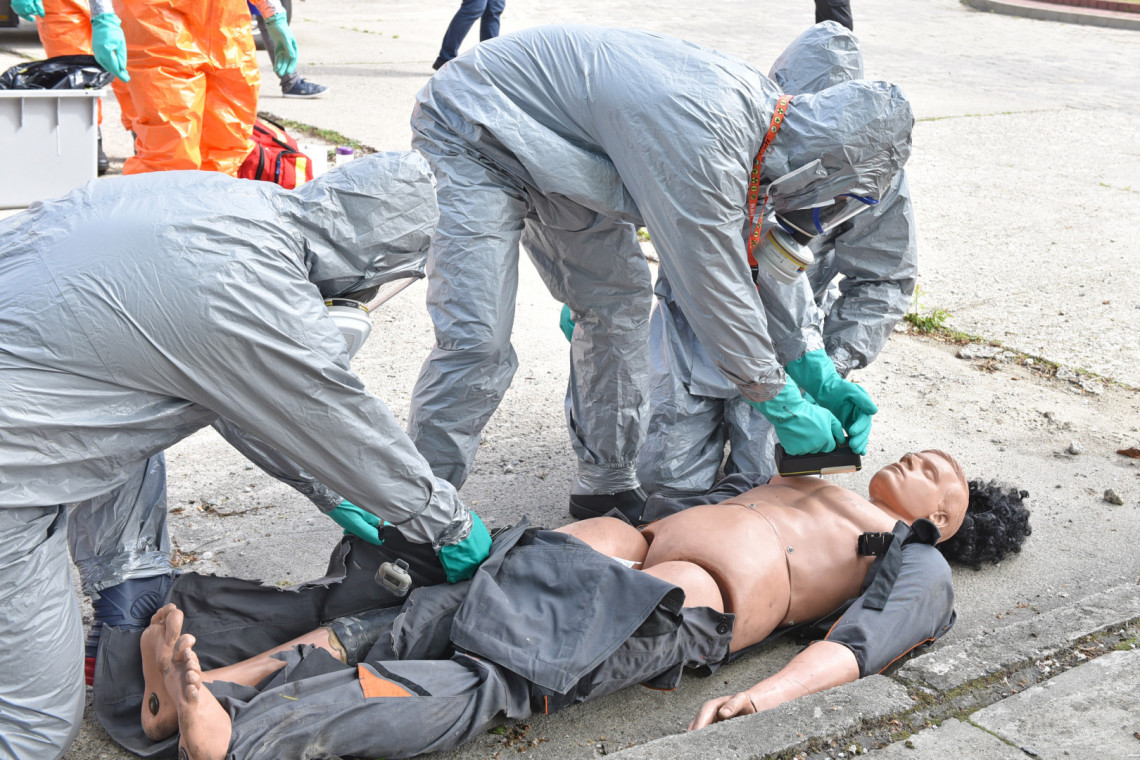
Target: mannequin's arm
{"x":821,"y":666}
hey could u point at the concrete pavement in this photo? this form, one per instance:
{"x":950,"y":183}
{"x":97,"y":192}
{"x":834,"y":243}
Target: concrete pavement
{"x":1026,"y":178}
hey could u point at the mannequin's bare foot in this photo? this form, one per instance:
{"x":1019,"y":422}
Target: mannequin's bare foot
{"x":159,"y":719}
{"x":203,"y":724}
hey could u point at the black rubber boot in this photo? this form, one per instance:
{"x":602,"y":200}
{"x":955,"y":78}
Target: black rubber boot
{"x":102,"y":162}
{"x":629,"y":504}
{"x":130,"y":604}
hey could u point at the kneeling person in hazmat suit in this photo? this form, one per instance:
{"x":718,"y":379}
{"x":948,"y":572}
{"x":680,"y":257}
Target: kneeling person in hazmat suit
{"x":554,"y":618}
{"x":564,"y":139}
{"x":695,"y":408}
{"x":138,"y":310}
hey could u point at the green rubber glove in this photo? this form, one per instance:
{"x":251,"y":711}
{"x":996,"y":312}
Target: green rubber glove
{"x":109,"y":45}
{"x":816,"y":374}
{"x":28,"y":9}
{"x":357,"y":522}
{"x":801,"y":426}
{"x":284,"y":44}
{"x":462,"y":559}
{"x":566,"y":322}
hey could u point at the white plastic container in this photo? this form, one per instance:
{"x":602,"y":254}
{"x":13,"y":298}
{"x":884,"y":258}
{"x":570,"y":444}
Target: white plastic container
{"x":344,"y":154}
{"x":48,"y":143}
{"x":318,"y":155}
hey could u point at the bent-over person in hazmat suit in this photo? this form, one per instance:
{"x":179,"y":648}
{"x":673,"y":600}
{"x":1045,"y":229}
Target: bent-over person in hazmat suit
{"x":567,"y":138}
{"x":137,"y":310}
{"x":695,"y":408}
{"x":554,"y":618}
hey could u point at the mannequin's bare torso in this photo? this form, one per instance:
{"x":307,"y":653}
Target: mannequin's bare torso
{"x":779,"y":554}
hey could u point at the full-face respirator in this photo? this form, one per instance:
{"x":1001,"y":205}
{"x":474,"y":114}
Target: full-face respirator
{"x":352,"y":314}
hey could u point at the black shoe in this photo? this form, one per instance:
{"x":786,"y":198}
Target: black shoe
{"x":439,"y":62}
{"x":102,"y":162}
{"x":303,"y":88}
{"x":629,"y":504}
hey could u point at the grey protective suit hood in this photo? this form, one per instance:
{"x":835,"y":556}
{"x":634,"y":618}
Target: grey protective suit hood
{"x":362,"y":226}
{"x":854,"y":136}
{"x":823,"y":56}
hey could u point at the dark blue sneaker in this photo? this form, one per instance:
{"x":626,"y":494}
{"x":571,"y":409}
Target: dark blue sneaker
{"x":129,"y":604}
{"x":303,"y":88}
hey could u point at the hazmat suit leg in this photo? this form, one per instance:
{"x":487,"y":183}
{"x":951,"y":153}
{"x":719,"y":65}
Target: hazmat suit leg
{"x":598,"y":268}
{"x":472,"y":281}
{"x":122,"y":534}
{"x":168,"y":101}
{"x":41,"y":662}
{"x":173,"y":54}
{"x":228,"y":115}
{"x":684,"y":444}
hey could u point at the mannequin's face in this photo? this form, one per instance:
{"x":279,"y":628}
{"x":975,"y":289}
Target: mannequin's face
{"x":928,"y":484}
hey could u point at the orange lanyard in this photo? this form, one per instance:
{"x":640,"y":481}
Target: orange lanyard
{"x":754,"y":182}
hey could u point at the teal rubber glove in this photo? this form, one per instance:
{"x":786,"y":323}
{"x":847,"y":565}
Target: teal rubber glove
{"x":801,"y":426}
{"x":109,"y":45}
{"x":816,"y":374}
{"x":462,"y":559}
{"x":284,"y":44}
{"x":28,"y":9}
{"x":566,"y":322}
{"x":357,"y":522}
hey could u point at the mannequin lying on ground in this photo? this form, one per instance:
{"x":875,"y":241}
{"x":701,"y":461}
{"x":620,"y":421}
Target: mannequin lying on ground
{"x":549,"y":622}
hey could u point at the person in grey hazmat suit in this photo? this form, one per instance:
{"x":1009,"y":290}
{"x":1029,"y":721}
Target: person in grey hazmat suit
{"x":696,"y":409}
{"x":140,"y":309}
{"x":567,"y":138}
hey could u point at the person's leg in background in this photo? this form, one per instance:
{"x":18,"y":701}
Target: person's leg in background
{"x":834,"y":10}
{"x":120,"y":544}
{"x":472,"y":281}
{"x":41,"y":668}
{"x":469,"y":12}
{"x":489,"y":23}
{"x":598,"y":268}
{"x":292,"y":85}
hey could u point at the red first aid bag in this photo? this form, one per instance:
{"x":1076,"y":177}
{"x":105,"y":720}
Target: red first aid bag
{"x":275,"y":157}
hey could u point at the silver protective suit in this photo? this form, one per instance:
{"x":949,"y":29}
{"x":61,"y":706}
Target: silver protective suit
{"x":137,"y":310}
{"x":696,"y":409}
{"x":564,"y":139}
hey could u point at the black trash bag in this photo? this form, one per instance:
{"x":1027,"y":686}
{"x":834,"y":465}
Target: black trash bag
{"x":64,"y":72}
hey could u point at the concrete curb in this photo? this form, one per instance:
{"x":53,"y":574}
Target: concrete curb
{"x":790,"y":727}
{"x":955,"y":665}
{"x":1066,"y":13}
{"x":784,"y":728}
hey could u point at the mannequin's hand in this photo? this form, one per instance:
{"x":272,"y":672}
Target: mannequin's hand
{"x":723,"y":708}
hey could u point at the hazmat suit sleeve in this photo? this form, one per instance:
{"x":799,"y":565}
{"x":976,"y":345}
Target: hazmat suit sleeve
{"x":279,"y":466}
{"x":286,"y":381}
{"x":878,"y":258}
{"x":795,"y":323}
{"x":695,"y":210}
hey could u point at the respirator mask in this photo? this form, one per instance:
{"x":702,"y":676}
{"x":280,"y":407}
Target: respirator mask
{"x":351,"y":312}
{"x":825,"y":217}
